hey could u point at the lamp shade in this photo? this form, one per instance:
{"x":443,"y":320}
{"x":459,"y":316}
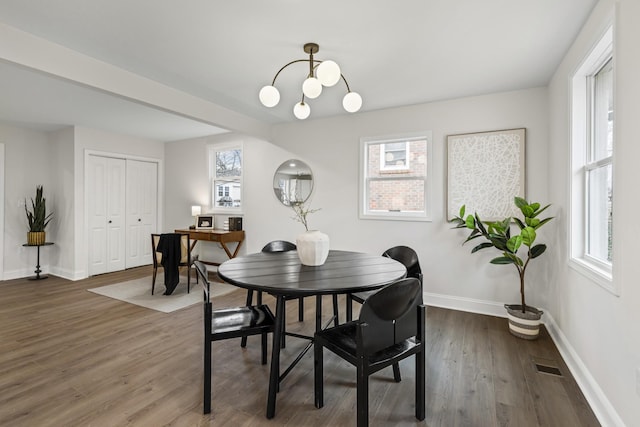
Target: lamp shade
{"x":301,"y":110}
{"x":352,"y":102}
{"x":269,"y":96}
{"x":328,"y":73}
{"x":312,"y":88}
{"x":196,"y":210}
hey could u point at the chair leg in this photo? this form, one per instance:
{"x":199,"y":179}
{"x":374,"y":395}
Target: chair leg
{"x":318,"y":368}
{"x":207,"y":360}
{"x":243,"y":340}
{"x":420,"y":385}
{"x":349,"y":310}
{"x":335,"y":310}
{"x":259,"y":299}
{"x":153,"y":281}
{"x":301,"y":309}
{"x":362,"y":396}
{"x":396,"y":372}
{"x":188,"y":278}
{"x":264,"y":348}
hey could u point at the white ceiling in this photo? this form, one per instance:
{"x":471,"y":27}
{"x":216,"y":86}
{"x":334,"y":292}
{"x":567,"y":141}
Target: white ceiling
{"x":392,"y":53}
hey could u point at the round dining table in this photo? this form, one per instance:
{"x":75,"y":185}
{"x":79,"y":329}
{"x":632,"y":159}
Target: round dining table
{"x":282,"y":275}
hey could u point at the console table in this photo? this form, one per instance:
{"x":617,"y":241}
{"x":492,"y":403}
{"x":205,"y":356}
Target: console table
{"x":37,"y":270}
{"x":219,"y":236}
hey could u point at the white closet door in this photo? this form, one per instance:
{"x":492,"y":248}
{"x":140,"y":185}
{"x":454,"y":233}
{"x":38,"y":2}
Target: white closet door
{"x":106,"y":214}
{"x":142,"y":208}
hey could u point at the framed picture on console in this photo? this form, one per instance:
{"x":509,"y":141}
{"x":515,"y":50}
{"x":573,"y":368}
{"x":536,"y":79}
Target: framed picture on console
{"x":205,"y":222}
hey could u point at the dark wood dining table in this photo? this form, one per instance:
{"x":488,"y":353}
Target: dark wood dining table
{"x":282,"y":275}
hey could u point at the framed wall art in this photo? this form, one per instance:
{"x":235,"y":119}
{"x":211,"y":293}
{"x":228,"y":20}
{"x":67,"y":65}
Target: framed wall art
{"x":204,"y":222}
{"x":486,"y":170}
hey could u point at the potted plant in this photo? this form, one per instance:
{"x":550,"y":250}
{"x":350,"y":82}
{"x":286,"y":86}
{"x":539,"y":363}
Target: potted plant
{"x":524,"y":320}
{"x":38,"y":218}
{"x":312,"y":245}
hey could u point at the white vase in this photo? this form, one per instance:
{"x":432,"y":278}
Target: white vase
{"x":313,"y":247}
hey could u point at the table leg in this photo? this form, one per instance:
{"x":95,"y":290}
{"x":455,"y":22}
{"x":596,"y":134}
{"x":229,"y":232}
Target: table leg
{"x":274,"y":374}
{"x":38,"y":264}
{"x":228,"y":252}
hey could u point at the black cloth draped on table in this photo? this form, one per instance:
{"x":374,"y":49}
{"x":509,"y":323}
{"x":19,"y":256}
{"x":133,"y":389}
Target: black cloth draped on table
{"x":169,"y":247}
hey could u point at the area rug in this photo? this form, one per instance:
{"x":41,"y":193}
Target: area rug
{"x":138,"y":292}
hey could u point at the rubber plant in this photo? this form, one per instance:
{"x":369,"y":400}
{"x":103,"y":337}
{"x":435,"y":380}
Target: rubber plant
{"x":497,"y":234}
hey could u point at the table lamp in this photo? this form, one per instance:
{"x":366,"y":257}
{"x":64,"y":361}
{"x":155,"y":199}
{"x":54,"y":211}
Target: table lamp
{"x":195,"y":211}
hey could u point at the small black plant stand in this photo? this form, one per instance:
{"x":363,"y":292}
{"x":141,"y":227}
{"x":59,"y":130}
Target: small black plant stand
{"x":37,"y":270}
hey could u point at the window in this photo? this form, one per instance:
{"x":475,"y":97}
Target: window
{"x":592,"y":146}
{"x":394,"y":177}
{"x":225,"y":169}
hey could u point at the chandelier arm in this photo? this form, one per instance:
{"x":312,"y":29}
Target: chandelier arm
{"x":345,"y":82}
{"x":285,"y":66}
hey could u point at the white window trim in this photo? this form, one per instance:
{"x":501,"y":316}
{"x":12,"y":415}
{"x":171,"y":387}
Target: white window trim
{"x":597,"y":271}
{"x":212,"y":149}
{"x":396,"y":216}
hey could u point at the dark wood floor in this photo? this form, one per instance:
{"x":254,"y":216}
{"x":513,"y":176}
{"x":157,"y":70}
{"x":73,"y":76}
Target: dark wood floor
{"x":73,"y":358}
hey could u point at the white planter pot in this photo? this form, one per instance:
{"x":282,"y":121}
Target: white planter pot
{"x":524,"y":325}
{"x":313,"y":247}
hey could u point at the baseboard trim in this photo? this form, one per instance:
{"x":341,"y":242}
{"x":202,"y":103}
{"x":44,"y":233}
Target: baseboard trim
{"x":601,"y":406}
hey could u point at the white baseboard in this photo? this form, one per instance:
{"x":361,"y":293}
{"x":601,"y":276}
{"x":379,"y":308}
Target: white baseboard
{"x":489,"y":308}
{"x":602,"y":408}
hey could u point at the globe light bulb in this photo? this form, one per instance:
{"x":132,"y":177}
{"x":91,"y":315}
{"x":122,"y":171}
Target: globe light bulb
{"x":301,"y":110}
{"x":352,"y":102}
{"x":328,"y":73}
{"x":269,"y":96}
{"x":312,"y":88}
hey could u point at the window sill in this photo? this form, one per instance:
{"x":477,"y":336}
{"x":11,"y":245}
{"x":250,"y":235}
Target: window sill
{"x":396,"y":216}
{"x":598,"y":275}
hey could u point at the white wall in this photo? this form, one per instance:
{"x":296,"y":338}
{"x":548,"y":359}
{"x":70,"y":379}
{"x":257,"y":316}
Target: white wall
{"x":601,"y":330}
{"x":61,"y":185}
{"x":331,"y":148}
{"x":27,"y":164}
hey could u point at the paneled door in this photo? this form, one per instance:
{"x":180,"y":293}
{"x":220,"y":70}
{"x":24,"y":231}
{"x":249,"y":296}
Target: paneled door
{"x":141,"y":205}
{"x":106,"y":178}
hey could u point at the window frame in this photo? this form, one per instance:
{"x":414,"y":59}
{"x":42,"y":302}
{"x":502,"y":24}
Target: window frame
{"x":213,"y":180}
{"x":582,"y":161}
{"x":363,"y":212}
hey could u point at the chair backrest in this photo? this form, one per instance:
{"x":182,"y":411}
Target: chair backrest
{"x":185,"y":246}
{"x":279,"y":246}
{"x":201,"y":271}
{"x":408,"y":257}
{"x":391,"y":315}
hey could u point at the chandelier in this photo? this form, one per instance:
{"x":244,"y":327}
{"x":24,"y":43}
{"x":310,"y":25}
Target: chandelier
{"x":321,"y":73}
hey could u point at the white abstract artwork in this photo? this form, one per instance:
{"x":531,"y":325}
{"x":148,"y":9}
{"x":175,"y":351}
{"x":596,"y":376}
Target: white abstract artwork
{"x":485,"y":173}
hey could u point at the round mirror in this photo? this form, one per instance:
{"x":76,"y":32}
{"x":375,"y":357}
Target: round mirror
{"x":293,"y":182}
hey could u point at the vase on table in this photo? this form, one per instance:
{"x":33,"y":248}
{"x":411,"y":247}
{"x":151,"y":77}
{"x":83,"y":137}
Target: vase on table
{"x":313,"y":247}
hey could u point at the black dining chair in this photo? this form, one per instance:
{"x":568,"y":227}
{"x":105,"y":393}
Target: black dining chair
{"x":228,"y":323}
{"x":403,"y":254}
{"x":391,"y":327}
